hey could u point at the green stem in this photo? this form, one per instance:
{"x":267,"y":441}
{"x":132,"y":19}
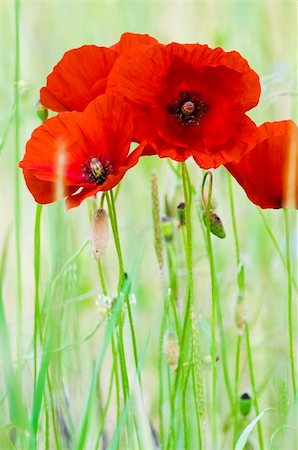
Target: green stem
{"x":56,"y":437}
{"x":114,"y":224}
{"x":234,"y":223}
{"x":275,"y":243}
{"x":290,"y":302}
{"x":214,"y":301}
{"x":253,"y":385}
{"x":113,"y":214}
{"x":187,"y":190}
{"x":196,"y":402}
{"x":182,"y":344}
{"x":160,"y":370}
{"x":17,"y":121}
{"x":37,"y":319}
{"x":104,"y":411}
{"x":237,"y":366}
{"x":184,"y":410}
{"x":102,"y":278}
{"x":114,"y":352}
{"x":123,"y":367}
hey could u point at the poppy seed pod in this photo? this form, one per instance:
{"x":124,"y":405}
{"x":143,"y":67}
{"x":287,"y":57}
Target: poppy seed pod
{"x":99,"y":233}
{"x":245,"y":402}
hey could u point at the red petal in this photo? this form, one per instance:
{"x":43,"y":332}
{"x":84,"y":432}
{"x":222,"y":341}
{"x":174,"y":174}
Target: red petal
{"x":142,"y":86}
{"x":269,"y":172}
{"x":78,"y":78}
{"x":131,"y":42}
{"x":44,"y":191}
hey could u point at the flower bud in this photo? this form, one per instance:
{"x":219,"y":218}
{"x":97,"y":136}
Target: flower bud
{"x":167,"y":228}
{"x":171,"y":349}
{"x":99,"y":233}
{"x":41,"y":112}
{"x":181,"y":213}
{"x":245,"y":402}
{"x":216,"y":226}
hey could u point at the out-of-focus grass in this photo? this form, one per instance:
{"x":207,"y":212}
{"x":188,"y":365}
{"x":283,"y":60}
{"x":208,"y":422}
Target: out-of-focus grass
{"x":265,"y":33}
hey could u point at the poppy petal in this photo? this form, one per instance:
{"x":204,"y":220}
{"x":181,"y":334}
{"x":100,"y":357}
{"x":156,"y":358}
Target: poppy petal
{"x":44,"y":191}
{"x":132,"y":42}
{"x":217,"y":86}
{"x":78,"y":78}
{"x":269,"y":172}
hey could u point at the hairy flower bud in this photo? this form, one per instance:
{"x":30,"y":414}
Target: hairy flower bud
{"x":99,"y":233}
{"x":181,"y":213}
{"x":167,"y":228}
{"x":216,"y":226}
{"x":245,"y":402}
{"x":41,"y":112}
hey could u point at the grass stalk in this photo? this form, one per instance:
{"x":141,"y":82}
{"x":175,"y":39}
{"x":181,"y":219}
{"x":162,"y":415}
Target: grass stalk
{"x":290,"y":302}
{"x":17,"y":202}
{"x":113,"y":216}
{"x":184,"y":409}
{"x":37,"y":320}
{"x":236,"y":394}
{"x":241,"y":287}
{"x":276,"y":245}
{"x":253,"y":386}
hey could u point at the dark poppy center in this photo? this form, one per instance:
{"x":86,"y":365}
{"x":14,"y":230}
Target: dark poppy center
{"x":96,"y":170}
{"x":188,"y":108}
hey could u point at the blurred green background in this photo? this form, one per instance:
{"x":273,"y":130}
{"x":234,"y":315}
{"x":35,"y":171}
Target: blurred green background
{"x":265,"y":33}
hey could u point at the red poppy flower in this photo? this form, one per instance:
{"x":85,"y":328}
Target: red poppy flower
{"x":76,"y":154}
{"x":80,"y":76}
{"x":269,"y":172}
{"x":189,"y":100}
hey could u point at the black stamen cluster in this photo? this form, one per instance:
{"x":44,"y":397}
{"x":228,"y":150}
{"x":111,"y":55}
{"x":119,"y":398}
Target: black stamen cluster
{"x":181,"y":105}
{"x":92,"y":176}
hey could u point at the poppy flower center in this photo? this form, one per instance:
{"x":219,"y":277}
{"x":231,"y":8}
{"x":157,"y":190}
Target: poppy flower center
{"x":188,"y":108}
{"x":96,"y":171}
